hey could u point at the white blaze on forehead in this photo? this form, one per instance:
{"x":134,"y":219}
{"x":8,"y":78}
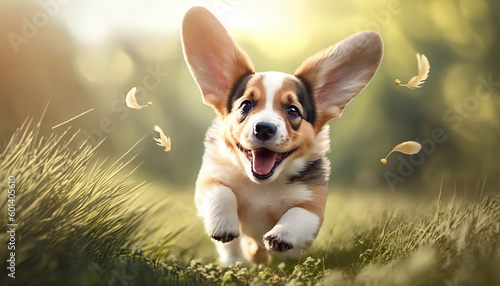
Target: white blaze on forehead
{"x":272,"y":82}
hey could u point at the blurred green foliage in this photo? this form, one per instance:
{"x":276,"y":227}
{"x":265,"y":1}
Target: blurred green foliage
{"x":139,"y":45}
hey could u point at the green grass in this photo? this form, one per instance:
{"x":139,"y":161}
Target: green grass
{"x":69,"y":206}
{"x":84,"y":221}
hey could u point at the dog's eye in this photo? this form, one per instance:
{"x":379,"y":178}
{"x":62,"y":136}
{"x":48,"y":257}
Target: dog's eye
{"x":293,"y":111}
{"x":246,"y":106}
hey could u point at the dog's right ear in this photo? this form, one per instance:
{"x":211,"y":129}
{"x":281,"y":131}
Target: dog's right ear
{"x":213,"y":57}
{"x":336,"y":75}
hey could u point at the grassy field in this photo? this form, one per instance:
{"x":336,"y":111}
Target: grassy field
{"x":85,"y":221}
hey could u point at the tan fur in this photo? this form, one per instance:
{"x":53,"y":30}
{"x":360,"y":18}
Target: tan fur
{"x":207,"y":182}
{"x":253,"y":251}
{"x":255,"y":93}
{"x":285,"y":96}
{"x":318,"y":202}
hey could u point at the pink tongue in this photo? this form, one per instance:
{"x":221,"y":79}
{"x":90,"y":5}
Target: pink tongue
{"x":263,"y":161}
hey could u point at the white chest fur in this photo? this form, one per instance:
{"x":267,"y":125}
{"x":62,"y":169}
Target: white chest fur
{"x":261,"y":206}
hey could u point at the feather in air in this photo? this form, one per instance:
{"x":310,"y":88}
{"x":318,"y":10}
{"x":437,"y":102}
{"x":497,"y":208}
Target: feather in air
{"x":423,"y":72}
{"x":408,"y":147}
{"x":131,"y":101}
{"x":163,"y":141}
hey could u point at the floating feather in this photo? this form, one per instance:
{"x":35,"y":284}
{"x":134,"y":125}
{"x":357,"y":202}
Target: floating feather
{"x":163,"y":141}
{"x":423,"y":72}
{"x":131,"y":101}
{"x":408,"y":147}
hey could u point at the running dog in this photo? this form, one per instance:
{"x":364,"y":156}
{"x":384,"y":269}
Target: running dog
{"x":263,"y":182}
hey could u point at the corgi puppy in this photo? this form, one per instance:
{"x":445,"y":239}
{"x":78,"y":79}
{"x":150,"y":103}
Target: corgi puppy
{"x":263,"y":182}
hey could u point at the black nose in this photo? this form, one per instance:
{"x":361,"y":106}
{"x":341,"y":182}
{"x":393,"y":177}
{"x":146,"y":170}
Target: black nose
{"x":264,"y":131}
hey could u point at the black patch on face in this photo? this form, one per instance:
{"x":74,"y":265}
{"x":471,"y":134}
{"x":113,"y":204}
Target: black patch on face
{"x":238,"y":90}
{"x":316,"y":173}
{"x":306,"y":99}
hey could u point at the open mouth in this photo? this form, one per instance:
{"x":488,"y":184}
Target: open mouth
{"x":264,"y":161}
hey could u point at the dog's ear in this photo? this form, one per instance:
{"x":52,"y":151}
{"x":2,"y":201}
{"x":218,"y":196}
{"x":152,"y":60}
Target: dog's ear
{"x":213,"y":57}
{"x":337,"y":74}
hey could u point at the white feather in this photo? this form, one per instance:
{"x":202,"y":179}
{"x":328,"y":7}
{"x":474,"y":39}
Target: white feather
{"x":163,"y":141}
{"x":423,"y":72}
{"x":131,"y":101}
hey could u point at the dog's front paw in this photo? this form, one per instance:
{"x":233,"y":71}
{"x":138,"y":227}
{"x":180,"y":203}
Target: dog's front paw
{"x":276,"y":244}
{"x":223,"y":229}
{"x":225,"y":237}
{"x":279,"y":240}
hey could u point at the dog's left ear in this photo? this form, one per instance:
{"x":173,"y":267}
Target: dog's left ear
{"x":213,"y":57}
{"x":337,"y":74}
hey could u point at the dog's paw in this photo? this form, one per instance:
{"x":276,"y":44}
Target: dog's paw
{"x":223,"y":229}
{"x":279,"y":239}
{"x":275,"y":244}
{"x":225,"y":237}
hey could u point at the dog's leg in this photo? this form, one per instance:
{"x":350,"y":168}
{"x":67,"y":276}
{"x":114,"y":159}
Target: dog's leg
{"x":230,"y":253}
{"x":244,"y":249}
{"x":296,"y":230}
{"x":252,"y":251}
{"x":220,"y":212}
